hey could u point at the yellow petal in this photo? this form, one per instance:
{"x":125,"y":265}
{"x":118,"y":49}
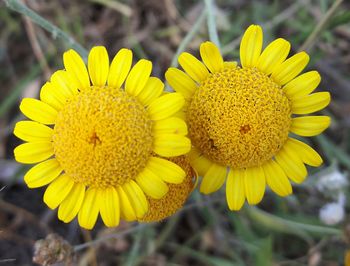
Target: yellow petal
{"x":32,"y":131}
{"x":53,"y":97}
{"x":254,"y":182}
{"x":302,"y":85}
{"x":235,"y":192}
{"x":38,"y":111}
{"x":127,"y":212}
{"x":165,"y":106}
{"x":70,"y":206}
{"x":110,"y":207}
{"x":151,"y":184}
{"x":211,"y":56}
{"x":170,"y":172}
{"x":98,"y":65}
{"x":138,"y":77}
{"x":310,"y":103}
{"x":181,"y":82}
{"x":291,"y":165}
{"x":193,"y":67}
{"x":308,"y":126}
{"x":120,"y":68}
{"x":62,"y":81}
{"x":307,"y":154}
{"x":58,"y":190}
{"x":171,"y":125}
{"x":276,"y":179}
{"x":137,"y":198}
{"x":33,"y":152}
{"x":43,"y":173}
{"x":152,"y":90}
{"x":251,"y":46}
{"x":90,"y":207}
{"x":213,"y":179}
{"x":199,"y":162}
{"x":273,"y":55}
{"x":181,"y":114}
{"x":75,"y":66}
{"x":170,"y":145}
{"x":290,"y":68}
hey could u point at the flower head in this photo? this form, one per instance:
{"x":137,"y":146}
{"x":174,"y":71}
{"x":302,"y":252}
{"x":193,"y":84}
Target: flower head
{"x":94,"y":139}
{"x":159,"y":209}
{"x":240,"y":117}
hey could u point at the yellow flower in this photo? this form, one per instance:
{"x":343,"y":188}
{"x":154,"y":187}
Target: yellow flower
{"x":240,"y":117}
{"x":159,"y":209}
{"x":94,"y":139}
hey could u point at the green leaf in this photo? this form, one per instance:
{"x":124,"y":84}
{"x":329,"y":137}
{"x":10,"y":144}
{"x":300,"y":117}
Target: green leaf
{"x":339,"y":19}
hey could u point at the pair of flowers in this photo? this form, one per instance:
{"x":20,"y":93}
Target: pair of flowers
{"x":108,"y":140}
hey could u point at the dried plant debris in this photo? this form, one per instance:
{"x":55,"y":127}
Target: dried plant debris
{"x":53,"y":249}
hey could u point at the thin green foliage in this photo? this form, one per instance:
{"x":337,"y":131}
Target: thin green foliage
{"x":56,"y":32}
{"x":188,"y":38}
{"x":14,"y":95}
{"x":282,"y":225}
{"x":212,"y":29}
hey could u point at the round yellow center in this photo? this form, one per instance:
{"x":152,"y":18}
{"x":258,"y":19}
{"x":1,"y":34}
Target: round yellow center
{"x":239,"y":117}
{"x":103,"y":137}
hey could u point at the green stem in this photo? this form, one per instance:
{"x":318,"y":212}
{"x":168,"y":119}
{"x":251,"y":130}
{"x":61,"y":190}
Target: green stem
{"x":111,"y":236}
{"x":283,"y":225}
{"x":310,"y":41}
{"x":212,"y":29}
{"x":39,"y":20}
{"x":120,"y":7}
{"x":275,"y":21}
{"x":135,"y":249}
{"x":188,"y":38}
{"x":12,"y":98}
{"x":168,"y":229}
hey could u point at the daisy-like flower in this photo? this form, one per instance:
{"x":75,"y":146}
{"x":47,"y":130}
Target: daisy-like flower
{"x":241,"y":118}
{"x":94,"y":139}
{"x":160,"y":209}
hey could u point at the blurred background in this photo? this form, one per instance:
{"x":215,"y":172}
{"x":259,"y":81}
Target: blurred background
{"x":310,"y":227}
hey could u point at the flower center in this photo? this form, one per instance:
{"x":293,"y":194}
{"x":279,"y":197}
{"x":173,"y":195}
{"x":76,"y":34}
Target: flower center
{"x":239,"y":117}
{"x":103,"y":137}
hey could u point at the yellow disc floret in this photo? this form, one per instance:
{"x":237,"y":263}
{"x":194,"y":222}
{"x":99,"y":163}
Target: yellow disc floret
{"x":239,"y":117}
{"x":159,"y":209}
{"x":103,"y":137}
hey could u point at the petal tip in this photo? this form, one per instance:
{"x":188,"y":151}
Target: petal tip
{"x":204,"y":190}
{"x":328,"y":121}
{"x":305,"y":56}
{"x":69,"y":53}
{"x":254,"y":27}
{"x":235,"y":207}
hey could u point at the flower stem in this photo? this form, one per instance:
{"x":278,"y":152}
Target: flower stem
{"x":188,"y":38}
{"x":310,"y":41}
{"x":111,"y":236}
{"x":212,"y":29}
{"x":39,"y":20}
{"x":284,"y":225}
